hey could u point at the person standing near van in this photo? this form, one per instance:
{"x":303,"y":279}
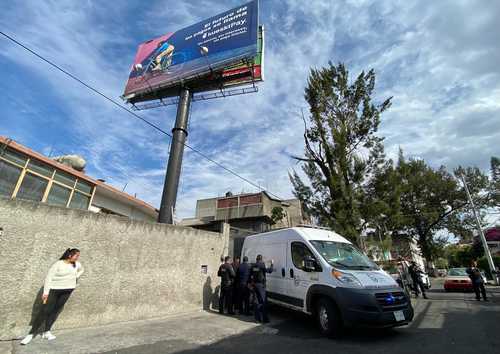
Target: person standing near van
{"x":59,"y":284}
{"x":477,"y":281}
{"x":236,"y":296}
{"x":243,"y":277}
{"x":258,"y":281}
{"x":415,"y":274}
{"x":227,"y":275}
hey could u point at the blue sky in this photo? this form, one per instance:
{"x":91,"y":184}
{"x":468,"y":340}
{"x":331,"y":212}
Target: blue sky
{"x":438,"y":59}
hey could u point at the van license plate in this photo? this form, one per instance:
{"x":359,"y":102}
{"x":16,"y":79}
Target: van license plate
{"x":399,"y":316}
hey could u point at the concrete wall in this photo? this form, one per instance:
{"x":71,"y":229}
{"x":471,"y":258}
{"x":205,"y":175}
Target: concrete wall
{"x":133,"y":269}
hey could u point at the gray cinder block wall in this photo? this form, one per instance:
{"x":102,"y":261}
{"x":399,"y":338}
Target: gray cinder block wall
{"x":133,"y":270}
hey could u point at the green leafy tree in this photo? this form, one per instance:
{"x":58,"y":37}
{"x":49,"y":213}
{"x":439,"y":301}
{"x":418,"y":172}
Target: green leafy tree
{"x":428,"y":197}
{"x":380,"y":245}
{"x":342,"y":149}
{"x":277,"y":214}
{"x":459,"y":255}
{"x":381,"y":206}
{"x":435,"y":199}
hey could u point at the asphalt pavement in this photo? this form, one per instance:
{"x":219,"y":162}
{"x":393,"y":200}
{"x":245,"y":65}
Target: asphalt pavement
{"x":447,"y":322}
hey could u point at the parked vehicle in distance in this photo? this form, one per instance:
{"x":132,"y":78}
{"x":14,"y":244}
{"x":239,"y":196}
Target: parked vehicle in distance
{"x":321,"y":273}
{"x":441,"y":272}
{"x":457,"y":279}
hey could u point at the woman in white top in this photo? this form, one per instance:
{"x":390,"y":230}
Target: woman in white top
{"x":59,"y":284}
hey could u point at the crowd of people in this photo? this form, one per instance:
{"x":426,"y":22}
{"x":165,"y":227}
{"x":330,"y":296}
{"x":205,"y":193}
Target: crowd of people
{"x":243,"y":287}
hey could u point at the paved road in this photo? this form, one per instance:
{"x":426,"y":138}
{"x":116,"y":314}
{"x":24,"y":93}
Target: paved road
{"x":447,"y":322}
{"x":454,"y":323}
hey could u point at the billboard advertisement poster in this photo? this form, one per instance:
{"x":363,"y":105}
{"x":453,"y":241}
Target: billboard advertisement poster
{"x":249,"y":71}
{"x":196,"y":50}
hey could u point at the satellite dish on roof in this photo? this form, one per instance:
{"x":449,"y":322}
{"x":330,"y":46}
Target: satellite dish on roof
{"x":138,"y":67}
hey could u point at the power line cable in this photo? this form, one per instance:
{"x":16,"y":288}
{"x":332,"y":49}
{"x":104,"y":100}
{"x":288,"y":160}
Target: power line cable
{"x":133,"y":113}
{"x":205,"y":156}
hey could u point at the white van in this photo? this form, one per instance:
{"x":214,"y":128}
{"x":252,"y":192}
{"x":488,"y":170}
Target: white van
{"x":319,"y":272}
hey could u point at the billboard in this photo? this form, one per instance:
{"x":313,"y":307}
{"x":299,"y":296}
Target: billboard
{"x":202,"y":50}
{"x":248,"y":71}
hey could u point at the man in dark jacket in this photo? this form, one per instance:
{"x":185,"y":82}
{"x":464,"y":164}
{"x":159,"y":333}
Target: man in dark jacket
{"x":477,"y":281}
{"x":226,"y":272}
{"x":236,"y":295}
{"x":415,"y":274}
{"x":258,"y":282}
{"x":243,"y":277}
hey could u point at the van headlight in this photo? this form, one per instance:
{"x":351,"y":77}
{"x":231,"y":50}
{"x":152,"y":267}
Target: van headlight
{"x":347,"y":279}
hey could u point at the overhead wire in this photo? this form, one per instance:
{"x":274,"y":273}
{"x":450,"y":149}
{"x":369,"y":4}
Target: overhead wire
{"x":135,"y":115}
{"x":197,"y":151}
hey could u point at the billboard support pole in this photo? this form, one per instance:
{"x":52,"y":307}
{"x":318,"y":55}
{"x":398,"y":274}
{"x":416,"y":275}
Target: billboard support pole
{"x":179,"y":134}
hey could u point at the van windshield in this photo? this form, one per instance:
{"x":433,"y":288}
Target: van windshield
{"x":343,"y":255}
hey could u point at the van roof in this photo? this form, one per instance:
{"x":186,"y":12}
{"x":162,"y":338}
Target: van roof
{"x":312,"y":234}
{"x":308,"y":233}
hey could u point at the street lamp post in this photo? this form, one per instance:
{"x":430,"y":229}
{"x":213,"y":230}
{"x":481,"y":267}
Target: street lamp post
{"x":481,"y":233}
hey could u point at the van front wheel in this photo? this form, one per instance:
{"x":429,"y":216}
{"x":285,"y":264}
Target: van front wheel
{"x":328,"y":317}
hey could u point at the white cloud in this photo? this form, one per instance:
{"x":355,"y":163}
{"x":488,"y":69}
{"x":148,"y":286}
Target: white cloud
{"x":438,"y":60}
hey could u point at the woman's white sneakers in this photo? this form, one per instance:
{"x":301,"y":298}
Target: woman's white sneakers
{"x":46,"y":335}
{"x":27,"y":339}
{"x":49,"y":336}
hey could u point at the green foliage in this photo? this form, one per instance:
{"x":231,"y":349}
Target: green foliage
{"x":434,"y":199}
{"x":459,"y":255}
{"x":277,"y":214}
{"x":342,"y":149}
{"x":441,"y":263}
{"x":381,"y":206}
{"x":483,"y":265}
{"x":495,"y":181}
{"x":382,"y":245}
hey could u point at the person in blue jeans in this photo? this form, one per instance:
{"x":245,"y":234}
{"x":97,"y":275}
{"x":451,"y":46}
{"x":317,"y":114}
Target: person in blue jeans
{"x":477,"y":281}
{"x":258,"y":284}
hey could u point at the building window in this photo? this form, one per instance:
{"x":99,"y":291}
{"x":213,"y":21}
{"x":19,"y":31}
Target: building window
{"x":40,"y":168}
{"x":13,"y":156}
{"x":37,"y":177}
{"x":65,"y":178}
{"x":32,"y":188}
{"x":84,"y":187}
{"x":79,"y":201}
{"x":58,"y":195}
{"x":9,"y":176}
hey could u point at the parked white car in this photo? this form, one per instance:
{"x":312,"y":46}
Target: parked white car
{"x":319,"y":272}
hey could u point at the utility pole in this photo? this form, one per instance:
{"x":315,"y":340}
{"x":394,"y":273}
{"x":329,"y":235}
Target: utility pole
{"x":179,"y":134}
{"x":481,"y":234}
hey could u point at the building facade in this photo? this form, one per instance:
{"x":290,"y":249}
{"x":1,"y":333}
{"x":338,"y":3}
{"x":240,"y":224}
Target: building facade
{"x":246,"y":214}
{"x":492,"y":236}
{"x":28,"y":175}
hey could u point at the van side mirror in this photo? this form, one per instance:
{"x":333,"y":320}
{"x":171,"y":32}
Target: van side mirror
{"x":310,"y":265}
